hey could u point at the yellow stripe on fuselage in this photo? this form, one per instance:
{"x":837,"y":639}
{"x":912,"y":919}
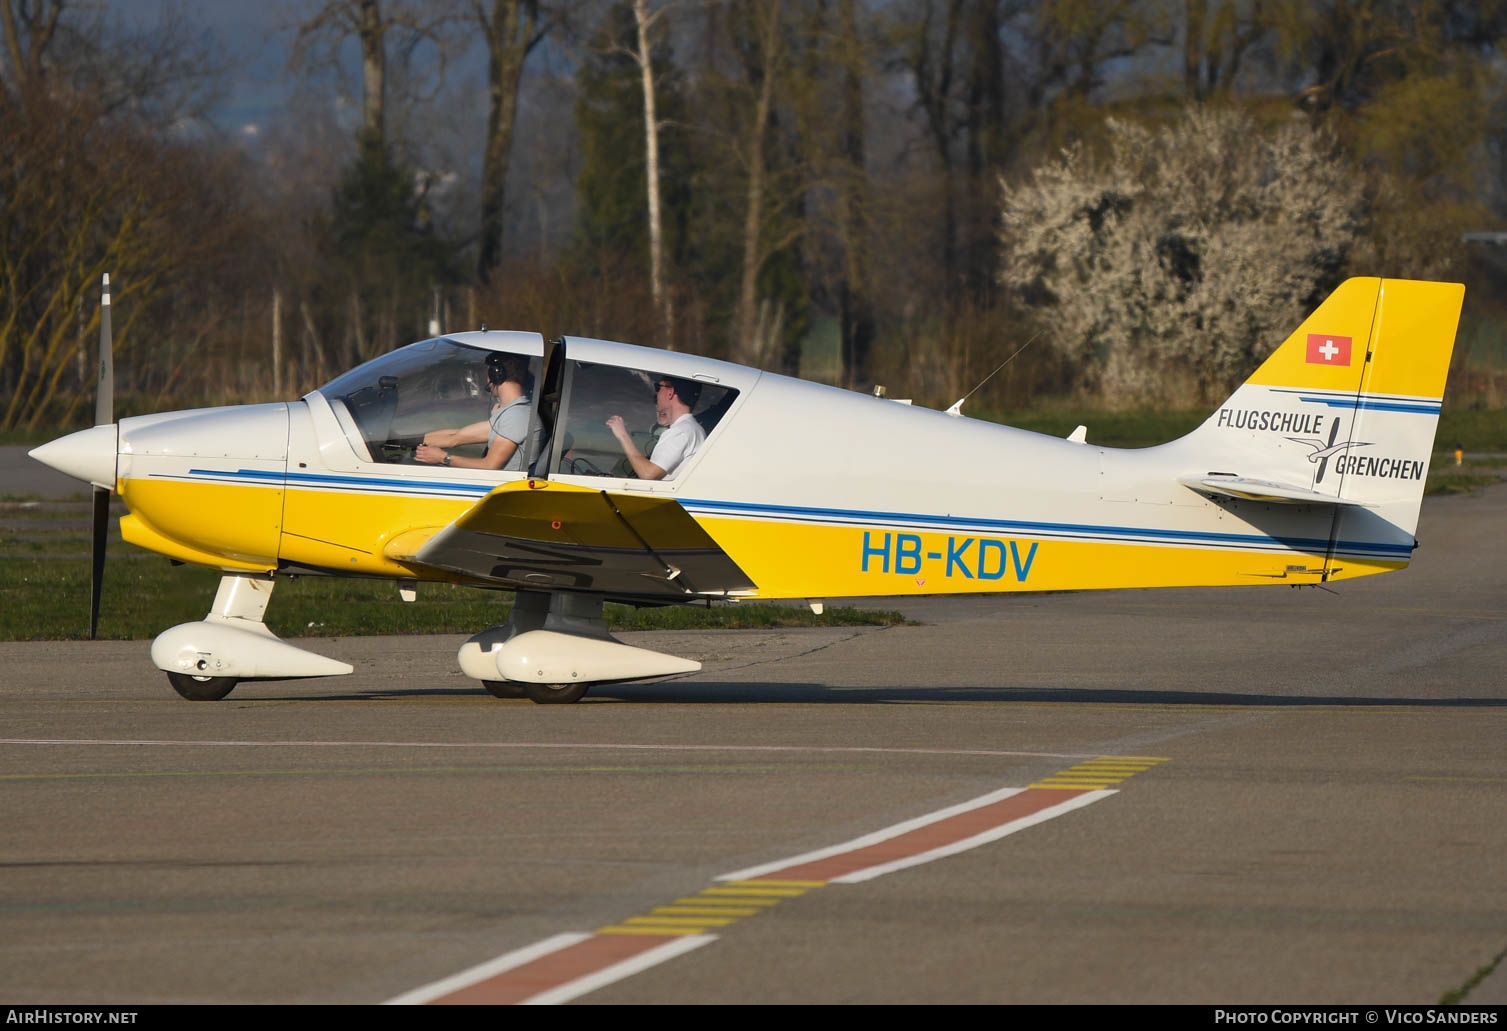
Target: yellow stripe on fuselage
{"x":347,"y":532}
{"x":792,"y":560}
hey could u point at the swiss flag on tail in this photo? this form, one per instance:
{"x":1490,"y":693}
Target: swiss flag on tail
{"x":1328,"y":350}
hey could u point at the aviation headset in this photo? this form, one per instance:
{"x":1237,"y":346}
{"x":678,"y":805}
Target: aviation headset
{"x":503,"y":367}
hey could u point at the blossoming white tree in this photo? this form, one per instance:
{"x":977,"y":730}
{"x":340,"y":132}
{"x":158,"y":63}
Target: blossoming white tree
{"x":1173,"y":265}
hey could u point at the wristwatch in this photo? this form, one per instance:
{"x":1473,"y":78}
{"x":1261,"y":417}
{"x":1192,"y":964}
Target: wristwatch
{"x":446,"y":461}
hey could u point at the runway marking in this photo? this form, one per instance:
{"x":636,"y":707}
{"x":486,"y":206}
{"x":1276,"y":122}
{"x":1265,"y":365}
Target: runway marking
{"x":852,"y":749}
{"x":1099,"y":773}
{"x":568,"y":966}
{"x":936,"y":835}
{"x":553,"y":971}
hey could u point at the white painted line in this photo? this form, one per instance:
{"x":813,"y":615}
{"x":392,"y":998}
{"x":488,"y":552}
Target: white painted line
{"x":994,"y":834}
{"x":491,"y":968}
{"x":627,"y":968}
{"x":872,"y":839}
{"x":148,"y":743}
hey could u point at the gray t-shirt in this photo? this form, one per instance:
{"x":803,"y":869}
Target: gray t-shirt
{"x":511,"y":422}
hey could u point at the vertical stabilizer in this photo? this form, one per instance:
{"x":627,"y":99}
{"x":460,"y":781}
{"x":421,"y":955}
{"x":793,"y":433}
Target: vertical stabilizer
{"x":1346,"y":408}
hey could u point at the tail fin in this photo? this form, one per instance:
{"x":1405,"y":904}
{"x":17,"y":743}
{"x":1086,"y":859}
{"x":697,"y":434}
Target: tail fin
{"x":1342,"y":414}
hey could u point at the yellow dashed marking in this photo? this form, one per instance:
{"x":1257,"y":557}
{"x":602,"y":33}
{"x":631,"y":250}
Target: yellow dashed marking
{"x":705,"y":911}
{"x":727,"y":902}
{"x":1088,"y":775}
{"x":716,"y":906}
{"x":1103,"y":772}
{"x":681,"y":921}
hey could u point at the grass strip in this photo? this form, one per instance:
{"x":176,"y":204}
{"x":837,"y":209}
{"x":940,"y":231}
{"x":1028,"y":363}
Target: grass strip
{"x":44,"y":598}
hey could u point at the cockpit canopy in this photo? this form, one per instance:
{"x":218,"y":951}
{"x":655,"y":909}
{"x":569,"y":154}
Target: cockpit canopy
{"x":392,"y":401}
{"x":387,"y":405}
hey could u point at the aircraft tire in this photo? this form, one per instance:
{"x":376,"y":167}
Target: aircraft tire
{"x":202,"y":689}
{"x":504,"y":689}
{"x":555,"y":694}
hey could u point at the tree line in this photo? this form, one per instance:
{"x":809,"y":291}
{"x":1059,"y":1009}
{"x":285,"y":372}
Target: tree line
{"x":900,"y":192}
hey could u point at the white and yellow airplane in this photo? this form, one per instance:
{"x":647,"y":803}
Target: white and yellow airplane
{"x":1312,"y":471}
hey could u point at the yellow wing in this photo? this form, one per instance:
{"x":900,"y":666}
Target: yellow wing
{"x":552,"y":536}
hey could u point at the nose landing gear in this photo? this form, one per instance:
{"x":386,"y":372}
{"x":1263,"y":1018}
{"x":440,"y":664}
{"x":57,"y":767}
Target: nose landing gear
{"x":204,"y":661}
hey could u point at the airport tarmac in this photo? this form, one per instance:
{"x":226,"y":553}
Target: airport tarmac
{"x":1325,"y":824}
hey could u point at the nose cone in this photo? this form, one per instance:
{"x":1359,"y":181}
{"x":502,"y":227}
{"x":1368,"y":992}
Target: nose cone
{"x":87,"y":455}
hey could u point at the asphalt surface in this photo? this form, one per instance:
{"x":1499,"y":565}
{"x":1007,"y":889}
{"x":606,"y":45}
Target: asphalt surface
{"x":23,"y":476}
{"x":1328,"y":826}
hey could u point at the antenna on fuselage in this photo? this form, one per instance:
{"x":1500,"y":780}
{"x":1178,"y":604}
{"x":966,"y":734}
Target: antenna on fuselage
{"x":957,"y":406}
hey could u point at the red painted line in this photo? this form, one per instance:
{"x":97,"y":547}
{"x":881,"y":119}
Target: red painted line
{"x":924,"y":839}
{"x":555,"y":969}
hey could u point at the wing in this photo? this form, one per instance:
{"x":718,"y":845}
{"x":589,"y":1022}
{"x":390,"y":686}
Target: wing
{"x":552,"y":536}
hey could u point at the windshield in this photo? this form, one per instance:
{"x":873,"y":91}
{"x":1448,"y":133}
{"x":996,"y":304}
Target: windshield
{"x":432,"y":385}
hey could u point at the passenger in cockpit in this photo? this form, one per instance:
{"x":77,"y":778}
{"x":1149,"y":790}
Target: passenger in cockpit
{"x":673,"y":400}
{"x":506,"y":431}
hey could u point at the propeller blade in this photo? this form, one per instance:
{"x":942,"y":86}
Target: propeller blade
{"x":104,"y":395}
{"x":97,"y":571}
{"x":104,"y":415}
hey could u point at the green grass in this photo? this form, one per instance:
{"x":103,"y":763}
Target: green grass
{"x":1459,"y":995}
{"x":47,"y":598}
{"x":1478,"y":429}
{"x":1449,"y":482}
{"x":1108,"y":429}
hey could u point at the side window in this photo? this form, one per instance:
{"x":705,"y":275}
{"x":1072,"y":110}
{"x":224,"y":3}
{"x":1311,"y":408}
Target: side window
{"x":392,"y":401}
{"x":610,"y":405}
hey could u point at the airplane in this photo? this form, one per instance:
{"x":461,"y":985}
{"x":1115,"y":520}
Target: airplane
{"x":1311,"y":472}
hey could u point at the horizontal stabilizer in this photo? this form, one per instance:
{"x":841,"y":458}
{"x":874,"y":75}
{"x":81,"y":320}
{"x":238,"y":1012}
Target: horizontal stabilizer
{"x":1264,"y":490}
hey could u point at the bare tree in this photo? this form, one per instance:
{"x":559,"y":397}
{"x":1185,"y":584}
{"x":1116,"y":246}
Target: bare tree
{"x":643,"y":20}
{"x":80,"y":195}
{"x":322,"y":33}
{"x":160,"y":73}
{"x":30,"y":27}
{"x":765,"y":65}
{"x":855,"y":313}
{"x":511,"y":30}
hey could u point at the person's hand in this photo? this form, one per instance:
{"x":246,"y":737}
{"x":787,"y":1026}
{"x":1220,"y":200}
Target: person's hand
{"x":428,"y":454}
{"x":618,"y":427}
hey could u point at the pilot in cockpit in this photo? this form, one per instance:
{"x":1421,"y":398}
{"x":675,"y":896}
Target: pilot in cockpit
{"x":673,"y":400}
{"x":506,"y":431}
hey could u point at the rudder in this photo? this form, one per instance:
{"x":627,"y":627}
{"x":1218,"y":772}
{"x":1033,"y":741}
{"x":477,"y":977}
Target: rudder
{"x":1345,"y":409}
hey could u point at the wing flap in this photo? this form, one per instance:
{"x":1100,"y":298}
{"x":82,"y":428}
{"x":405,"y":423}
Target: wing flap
{"x":542,"y":534}
{"x":1247,"y":489}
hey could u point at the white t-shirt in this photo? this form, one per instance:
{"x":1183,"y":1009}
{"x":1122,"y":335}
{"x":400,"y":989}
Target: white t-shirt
{"x":677,"y":443}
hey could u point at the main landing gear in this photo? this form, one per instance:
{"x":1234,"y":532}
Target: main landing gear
{"x":554,"y":647}
{"x":204,"y":661}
